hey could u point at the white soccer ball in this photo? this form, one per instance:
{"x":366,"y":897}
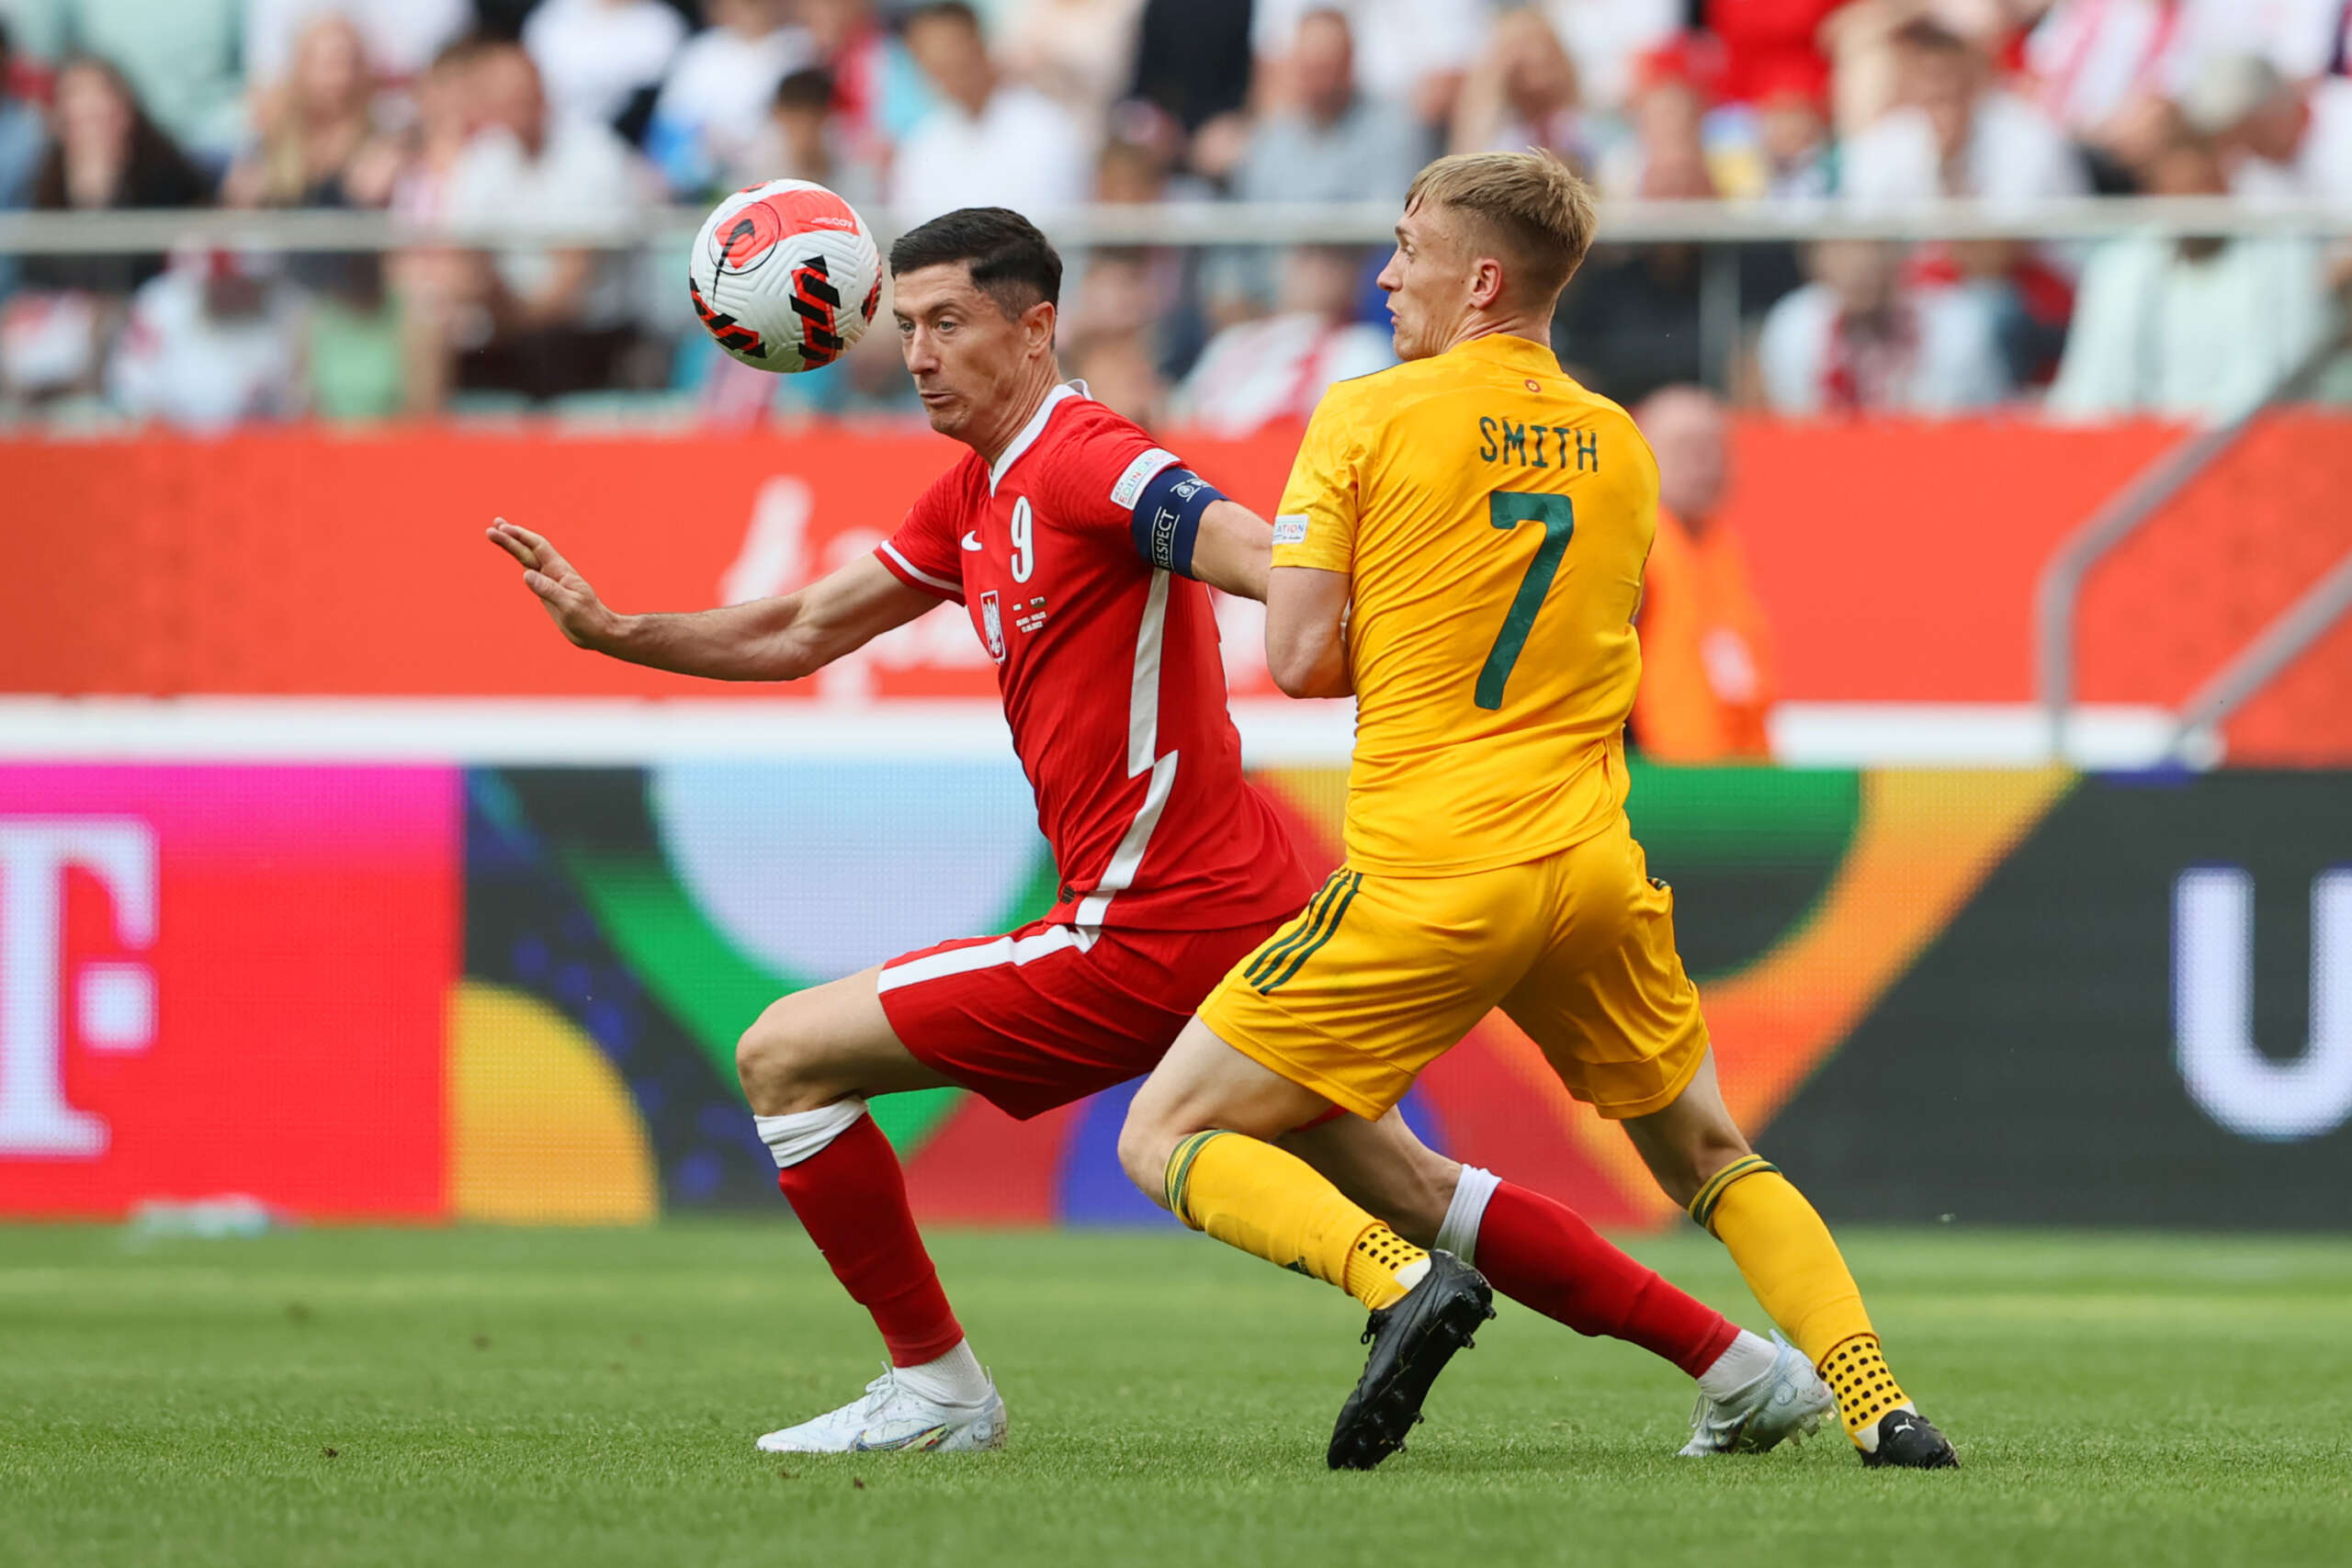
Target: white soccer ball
{"x":786,"y":276}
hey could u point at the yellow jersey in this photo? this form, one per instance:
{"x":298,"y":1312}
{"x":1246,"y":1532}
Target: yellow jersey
{"x":1493,"y":518}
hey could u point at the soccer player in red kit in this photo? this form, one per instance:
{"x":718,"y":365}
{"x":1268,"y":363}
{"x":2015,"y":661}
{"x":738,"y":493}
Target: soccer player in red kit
{"x":1079,"y":549}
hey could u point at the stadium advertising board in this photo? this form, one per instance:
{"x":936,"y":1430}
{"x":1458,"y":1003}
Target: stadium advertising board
{"x":219,"y":980}
{"x":514,"y":994}
{"x":221,"y":567}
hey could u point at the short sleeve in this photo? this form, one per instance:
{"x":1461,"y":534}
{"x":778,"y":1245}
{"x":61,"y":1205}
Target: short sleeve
{"x":1316,"y":524}
{"x":1095,"y":481}
{"x":923,"y":553}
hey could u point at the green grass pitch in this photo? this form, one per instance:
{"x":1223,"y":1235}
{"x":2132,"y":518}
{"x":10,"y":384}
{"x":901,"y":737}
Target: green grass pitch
{"x":455,"y":1397}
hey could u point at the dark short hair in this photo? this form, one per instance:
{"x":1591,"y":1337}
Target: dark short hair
{"x":1012,"y":263}
{"x":811,"y":87}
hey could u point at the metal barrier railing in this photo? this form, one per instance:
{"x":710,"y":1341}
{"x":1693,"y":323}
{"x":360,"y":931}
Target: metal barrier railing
{"x":1227,"y":223}
{"x":2058,"y":593}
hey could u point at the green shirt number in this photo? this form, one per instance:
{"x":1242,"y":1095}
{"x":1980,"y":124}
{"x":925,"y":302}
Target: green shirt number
{"x":1507,"y":509}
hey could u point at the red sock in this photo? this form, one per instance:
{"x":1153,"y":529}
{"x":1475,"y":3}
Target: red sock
{"x":852,"y":1198}
{"x":1542,"y":1255}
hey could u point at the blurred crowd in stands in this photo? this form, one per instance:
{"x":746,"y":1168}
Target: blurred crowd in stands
{"x":585,"y":111}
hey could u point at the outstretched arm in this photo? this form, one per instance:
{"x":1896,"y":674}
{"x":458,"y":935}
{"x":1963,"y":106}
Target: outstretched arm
{"x":768,"y":639}
{"x":1234,"y":550}
{"x":1306,"y":635}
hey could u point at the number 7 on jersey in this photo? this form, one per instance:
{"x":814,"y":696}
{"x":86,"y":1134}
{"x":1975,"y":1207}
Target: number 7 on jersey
{"x":1507,"y":509}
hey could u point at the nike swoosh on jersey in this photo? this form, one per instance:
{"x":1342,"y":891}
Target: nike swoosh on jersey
{"x":971,"y":541}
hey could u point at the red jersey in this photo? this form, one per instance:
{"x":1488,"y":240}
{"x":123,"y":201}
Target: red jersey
{"x":1110,"y":676}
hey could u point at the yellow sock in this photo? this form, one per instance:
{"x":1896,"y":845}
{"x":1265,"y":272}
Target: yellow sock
{"x":1254,"y":1196}
{"x":1792,"y":1264}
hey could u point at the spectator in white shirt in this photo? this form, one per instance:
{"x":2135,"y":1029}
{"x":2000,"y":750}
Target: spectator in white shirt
{"x":597,"y":56}
{"x":550,"y":319}
{"x":714,"y":105}
{"x":1277,"y":368}
{"x":986,"y":143}
{"x":1955,"y":133}
{"x":1855,"y":340}
{"x":211,"y":341}
{"x":2193,"y":328}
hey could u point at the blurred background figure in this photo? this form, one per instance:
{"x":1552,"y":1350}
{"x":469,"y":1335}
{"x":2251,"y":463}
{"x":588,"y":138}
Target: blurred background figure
{"x":1664,"y":119}
{"x":1137,"y":293}
{"x":1632,"y":319}
{"x":445,"y":108}
{"x":713,"y":106}
{"x":1707,"y":687}
{"x":986,"y":142}
{"x":1522,"y":93}
{"x":1194,"y":66}
{"x":604,"y":60}
{"x":316,"y":140}
{"x":1608,"y":39}
{"x":1859,"y":340}
{"x":1118,"y":369}
{"x":1412,"y":53}
{"x":23,"y":138}
{"x":180,"y":58}
{"x":401,"y":36}
{"x":2102,"y":71}
{"x":541,"y":321}
{"x":1335,"y":142}
{"x":211,"y":341}
{"x":2195,"y":328}
{"x":22,"y":135}
{"x":1079,"y":53}
{"x":806,"y":142}
{"x":1954,"y":131}
{"x":104,"y":153}
{"x":1276,"y":369}
{"x":2274,"y":137}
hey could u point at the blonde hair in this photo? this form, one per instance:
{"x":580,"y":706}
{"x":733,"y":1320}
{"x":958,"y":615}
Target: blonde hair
{"x":1537,"y":207}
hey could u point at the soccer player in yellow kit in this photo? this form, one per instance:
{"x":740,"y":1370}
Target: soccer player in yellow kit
{"x":1462,"y":545}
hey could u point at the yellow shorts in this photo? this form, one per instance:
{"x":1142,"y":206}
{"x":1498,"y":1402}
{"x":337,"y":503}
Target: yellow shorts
{"x":1381,"y":974}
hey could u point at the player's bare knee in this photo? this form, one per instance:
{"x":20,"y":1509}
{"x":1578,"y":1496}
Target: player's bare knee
{"x":775,"y":1064}
{"x":1144,"y":1144}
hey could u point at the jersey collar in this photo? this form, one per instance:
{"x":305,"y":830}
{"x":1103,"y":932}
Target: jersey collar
{"x":1510,"y":350}
{"x":1030,"y":431}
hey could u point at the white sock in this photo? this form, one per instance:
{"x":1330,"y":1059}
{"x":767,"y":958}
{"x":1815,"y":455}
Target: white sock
{"x":1459,"y":1234}
{"x":953,"y":1379}
{"x":1750,"y":1357}
{"x":803,"y":1135}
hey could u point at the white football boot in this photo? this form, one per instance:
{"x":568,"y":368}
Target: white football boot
{"x":1789,"y":1402}
{"x":890,"y":1418}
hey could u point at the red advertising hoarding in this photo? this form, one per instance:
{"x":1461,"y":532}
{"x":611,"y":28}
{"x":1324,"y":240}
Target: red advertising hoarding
{"x":226,"y":980}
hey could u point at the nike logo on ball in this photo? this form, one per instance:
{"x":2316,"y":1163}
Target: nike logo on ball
{"x":971,"y":541}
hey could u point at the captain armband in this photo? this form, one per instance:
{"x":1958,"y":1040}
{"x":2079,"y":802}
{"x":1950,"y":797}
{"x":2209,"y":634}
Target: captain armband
{"x":1168,"y":517}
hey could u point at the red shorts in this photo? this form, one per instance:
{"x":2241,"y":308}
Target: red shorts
{"x":1048,"y":1014}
